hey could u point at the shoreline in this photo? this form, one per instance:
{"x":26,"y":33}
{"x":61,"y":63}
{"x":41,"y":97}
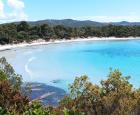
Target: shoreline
{"x":43,"y":42}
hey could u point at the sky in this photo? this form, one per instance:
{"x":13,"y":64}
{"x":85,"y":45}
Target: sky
{"x":95,"y":10}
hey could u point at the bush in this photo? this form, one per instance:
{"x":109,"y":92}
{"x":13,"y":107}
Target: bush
{"x":114,"y":96}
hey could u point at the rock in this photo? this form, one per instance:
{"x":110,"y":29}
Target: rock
{"x":48,"y":95}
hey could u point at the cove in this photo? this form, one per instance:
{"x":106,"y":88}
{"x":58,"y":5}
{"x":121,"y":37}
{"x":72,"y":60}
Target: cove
{"x":59,"y":64}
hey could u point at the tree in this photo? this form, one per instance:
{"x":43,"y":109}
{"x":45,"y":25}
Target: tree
{"x":60,"y":31}
{"x":23,"y":26}
{"x":47,"y":32}
{"x":12,"y":100}
{"x":115,"y":96}
{"x":7,"y":69}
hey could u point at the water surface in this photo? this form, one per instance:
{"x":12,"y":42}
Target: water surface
{"x":58,"y":64}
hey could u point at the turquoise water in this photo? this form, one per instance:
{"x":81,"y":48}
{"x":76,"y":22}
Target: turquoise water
{"x":58,"y":64}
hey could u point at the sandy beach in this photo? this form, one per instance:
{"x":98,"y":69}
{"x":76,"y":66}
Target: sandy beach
{"x":43,"y":42}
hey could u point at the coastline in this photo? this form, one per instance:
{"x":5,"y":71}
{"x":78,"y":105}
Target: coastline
{"x":43,"y":42}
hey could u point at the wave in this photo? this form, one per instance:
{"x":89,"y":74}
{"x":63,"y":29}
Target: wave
{"x":30,"y":73}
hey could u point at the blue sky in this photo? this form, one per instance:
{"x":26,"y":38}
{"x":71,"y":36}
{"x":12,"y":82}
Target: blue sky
{"x":96,"y":10}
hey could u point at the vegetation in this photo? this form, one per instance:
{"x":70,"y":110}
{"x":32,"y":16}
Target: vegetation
{"x":15,"y":33}
{"x":114,"y":96}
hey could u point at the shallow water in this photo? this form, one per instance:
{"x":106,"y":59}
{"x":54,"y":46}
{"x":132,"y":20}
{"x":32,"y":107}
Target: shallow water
{"x":58,"y":64}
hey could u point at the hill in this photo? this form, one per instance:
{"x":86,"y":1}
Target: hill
{"x":77,"y":23}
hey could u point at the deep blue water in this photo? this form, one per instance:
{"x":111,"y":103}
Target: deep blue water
{"x":58,"y":64}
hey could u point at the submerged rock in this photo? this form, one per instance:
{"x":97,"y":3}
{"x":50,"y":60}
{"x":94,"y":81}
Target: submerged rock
{"x":48,"y":95}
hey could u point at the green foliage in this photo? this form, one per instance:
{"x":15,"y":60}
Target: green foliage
{"x":2,"y":111}
{"x":115,"y":96}
{"x":3,"y":77}
{"x":65,"y":101}
{"x":70,"y":112}
{"x":16,"y":33}
{"x":23,"y":26}
{"x":7,"y":69}
{"x":36,"y":108}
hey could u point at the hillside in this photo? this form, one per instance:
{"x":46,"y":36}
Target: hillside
{"x":77,"y":23}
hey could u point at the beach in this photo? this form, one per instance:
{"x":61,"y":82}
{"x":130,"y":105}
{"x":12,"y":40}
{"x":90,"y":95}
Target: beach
{"x":43,"y":42}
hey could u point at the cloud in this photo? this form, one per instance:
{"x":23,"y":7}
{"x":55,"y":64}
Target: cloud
{"x":16,"y":4}
{"x":1,"y":8}
{"x":17,"y":13}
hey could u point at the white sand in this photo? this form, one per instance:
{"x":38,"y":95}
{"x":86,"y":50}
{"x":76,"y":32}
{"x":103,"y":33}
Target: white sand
{"x":43,"y":42}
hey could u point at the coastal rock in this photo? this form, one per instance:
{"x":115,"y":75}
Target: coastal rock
{"x":48,"y":95}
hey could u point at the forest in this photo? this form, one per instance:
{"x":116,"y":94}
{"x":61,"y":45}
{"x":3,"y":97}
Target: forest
{"x":114,"y":96}
{"x":13,"y":33}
